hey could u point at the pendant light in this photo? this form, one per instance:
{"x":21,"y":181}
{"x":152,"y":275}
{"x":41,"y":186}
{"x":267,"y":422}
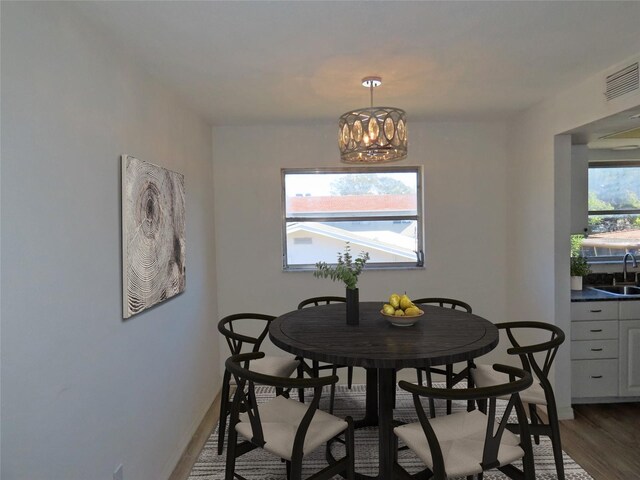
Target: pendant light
{"x":374,"y":134}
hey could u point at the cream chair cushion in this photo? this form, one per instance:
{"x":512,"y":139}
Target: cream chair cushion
{"x":280,"y":418}
{"x":486,"y":376}
{"x":274,"y":366}
{"x":461,"y":437}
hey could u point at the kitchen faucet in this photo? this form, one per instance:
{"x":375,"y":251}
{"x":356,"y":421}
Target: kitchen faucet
{"x":624,"y":265}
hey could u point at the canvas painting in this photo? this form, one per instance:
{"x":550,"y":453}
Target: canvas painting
{"x":153,"y":235}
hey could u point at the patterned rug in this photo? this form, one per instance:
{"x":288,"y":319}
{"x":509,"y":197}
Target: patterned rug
{"x":259,"y":465}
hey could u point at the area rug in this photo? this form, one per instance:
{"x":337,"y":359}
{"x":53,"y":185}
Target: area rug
{"x":259,"y":465}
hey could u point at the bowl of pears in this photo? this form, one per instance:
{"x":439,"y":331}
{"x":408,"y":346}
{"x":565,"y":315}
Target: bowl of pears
{"x":401,"y":311}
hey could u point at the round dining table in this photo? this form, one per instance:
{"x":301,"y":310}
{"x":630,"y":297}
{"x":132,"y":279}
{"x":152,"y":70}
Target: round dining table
{"x":441,"y":336}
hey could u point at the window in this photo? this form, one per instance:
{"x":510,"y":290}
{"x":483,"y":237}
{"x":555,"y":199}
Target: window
{"x":614,"y":210}
{"x":376,"y":209}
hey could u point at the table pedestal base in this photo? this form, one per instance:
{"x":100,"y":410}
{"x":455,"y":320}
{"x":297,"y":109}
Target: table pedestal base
{"x":380,"y":401}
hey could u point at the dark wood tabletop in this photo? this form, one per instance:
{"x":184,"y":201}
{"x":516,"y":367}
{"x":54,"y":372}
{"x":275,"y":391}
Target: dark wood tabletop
{"x":439,"y":337}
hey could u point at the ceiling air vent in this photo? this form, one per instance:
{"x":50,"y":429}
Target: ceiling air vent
{"x":622,"y":82}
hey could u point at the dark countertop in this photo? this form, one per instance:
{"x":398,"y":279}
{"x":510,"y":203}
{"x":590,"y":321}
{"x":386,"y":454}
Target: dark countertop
{"x":589,"y":295}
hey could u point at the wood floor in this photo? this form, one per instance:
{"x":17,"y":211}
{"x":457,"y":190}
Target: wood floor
{"x":604,"y":439}
{"x":191,"y":453}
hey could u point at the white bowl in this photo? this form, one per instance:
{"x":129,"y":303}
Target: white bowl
{"x":403,"y":321}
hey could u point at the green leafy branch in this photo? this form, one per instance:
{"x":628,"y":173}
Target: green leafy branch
{"x":347,"y":269}
{"x":579,"y":267}
{"x":578,"y":263}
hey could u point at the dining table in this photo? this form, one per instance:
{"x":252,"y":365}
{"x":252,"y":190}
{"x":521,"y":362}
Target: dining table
{"x":439,"y":337}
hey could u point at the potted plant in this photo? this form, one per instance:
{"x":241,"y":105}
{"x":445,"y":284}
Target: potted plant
{"x":578,"y":263}
{"x":347,"y":270}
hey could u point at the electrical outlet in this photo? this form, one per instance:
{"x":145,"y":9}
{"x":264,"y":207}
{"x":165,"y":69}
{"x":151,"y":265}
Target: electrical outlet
{"x":117,"y":475}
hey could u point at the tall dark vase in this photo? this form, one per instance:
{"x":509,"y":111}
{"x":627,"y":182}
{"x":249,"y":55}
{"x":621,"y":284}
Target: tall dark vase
{"x":353,"y":306}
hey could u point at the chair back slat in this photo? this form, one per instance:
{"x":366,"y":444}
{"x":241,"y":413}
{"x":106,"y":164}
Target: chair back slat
{"x":432,"y":439}
{"x":235,"y":346}
{"x":551,"y":355}
{"x":494,"y":432}
{"x":245,"y":401}
{"x":491,"y":440}
{"x":301,"y":433}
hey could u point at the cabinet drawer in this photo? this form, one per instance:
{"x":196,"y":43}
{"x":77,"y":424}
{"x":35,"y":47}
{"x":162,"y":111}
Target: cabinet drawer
{"x":601,"y":330}
{"x":586,"y":349}
{"x":594,"y":310}
{"x":594,"y":378}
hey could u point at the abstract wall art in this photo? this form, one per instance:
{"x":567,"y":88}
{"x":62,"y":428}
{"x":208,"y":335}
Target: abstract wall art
{"x":153,"y":235}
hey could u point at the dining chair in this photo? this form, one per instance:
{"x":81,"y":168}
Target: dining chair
{"x":231,"y":327}
{"x":315,"y":368}
{"x":466,"y":444}
{"x":451,"y":377}
{"x":283,"y":427}
{"x":536,"y":358}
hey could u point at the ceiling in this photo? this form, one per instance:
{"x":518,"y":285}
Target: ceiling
{"x":242,"y":63}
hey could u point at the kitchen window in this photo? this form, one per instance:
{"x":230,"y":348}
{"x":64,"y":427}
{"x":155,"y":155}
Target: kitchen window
{"x":375,"y":209}
{"x":614,"y":211}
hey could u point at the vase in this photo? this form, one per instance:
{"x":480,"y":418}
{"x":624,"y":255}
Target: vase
{"x":353,"y":307}
{"x":576,"y":283}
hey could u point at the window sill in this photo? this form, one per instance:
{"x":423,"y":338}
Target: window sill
{"x":368,"y":268}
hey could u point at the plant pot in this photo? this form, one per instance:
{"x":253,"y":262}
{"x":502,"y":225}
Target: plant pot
{"x":353,"y":306}
{"x":576,"y":283}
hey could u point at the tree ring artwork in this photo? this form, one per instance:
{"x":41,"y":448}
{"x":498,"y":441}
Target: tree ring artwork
{"x":153,"y":235}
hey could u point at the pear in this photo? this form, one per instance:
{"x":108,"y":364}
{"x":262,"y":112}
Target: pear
{"x":405,"y":302}
{"x":394,"y":300}
{"x":412,"y":311}
{"x":388,"y":309}
{"x":399,"y":313}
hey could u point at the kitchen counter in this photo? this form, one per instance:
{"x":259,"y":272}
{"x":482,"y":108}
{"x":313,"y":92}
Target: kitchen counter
{"x":589,"y":295}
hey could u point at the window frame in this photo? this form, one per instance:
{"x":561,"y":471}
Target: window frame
{"x":418,"y":217}
{"x":610,"y":164}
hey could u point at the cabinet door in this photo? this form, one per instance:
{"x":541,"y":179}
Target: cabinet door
{"x":629,"y":370}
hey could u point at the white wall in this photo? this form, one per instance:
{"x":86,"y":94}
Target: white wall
{"x":465,"y":208}
{"x":83,"y":390}
{"x":539,"y":213}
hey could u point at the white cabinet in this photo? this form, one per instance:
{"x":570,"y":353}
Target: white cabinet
{"x":605,"y":350}
{"x":594,"y":349}
{"x":629,"y":372}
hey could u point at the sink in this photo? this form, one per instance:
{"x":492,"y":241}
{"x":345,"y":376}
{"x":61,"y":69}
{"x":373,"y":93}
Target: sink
{"x":622,"y":290}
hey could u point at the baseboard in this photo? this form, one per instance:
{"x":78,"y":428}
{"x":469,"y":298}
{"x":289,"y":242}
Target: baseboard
{"x":588,"y":400}
{"x":196,"y":443}
{"x":565,"y":413}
